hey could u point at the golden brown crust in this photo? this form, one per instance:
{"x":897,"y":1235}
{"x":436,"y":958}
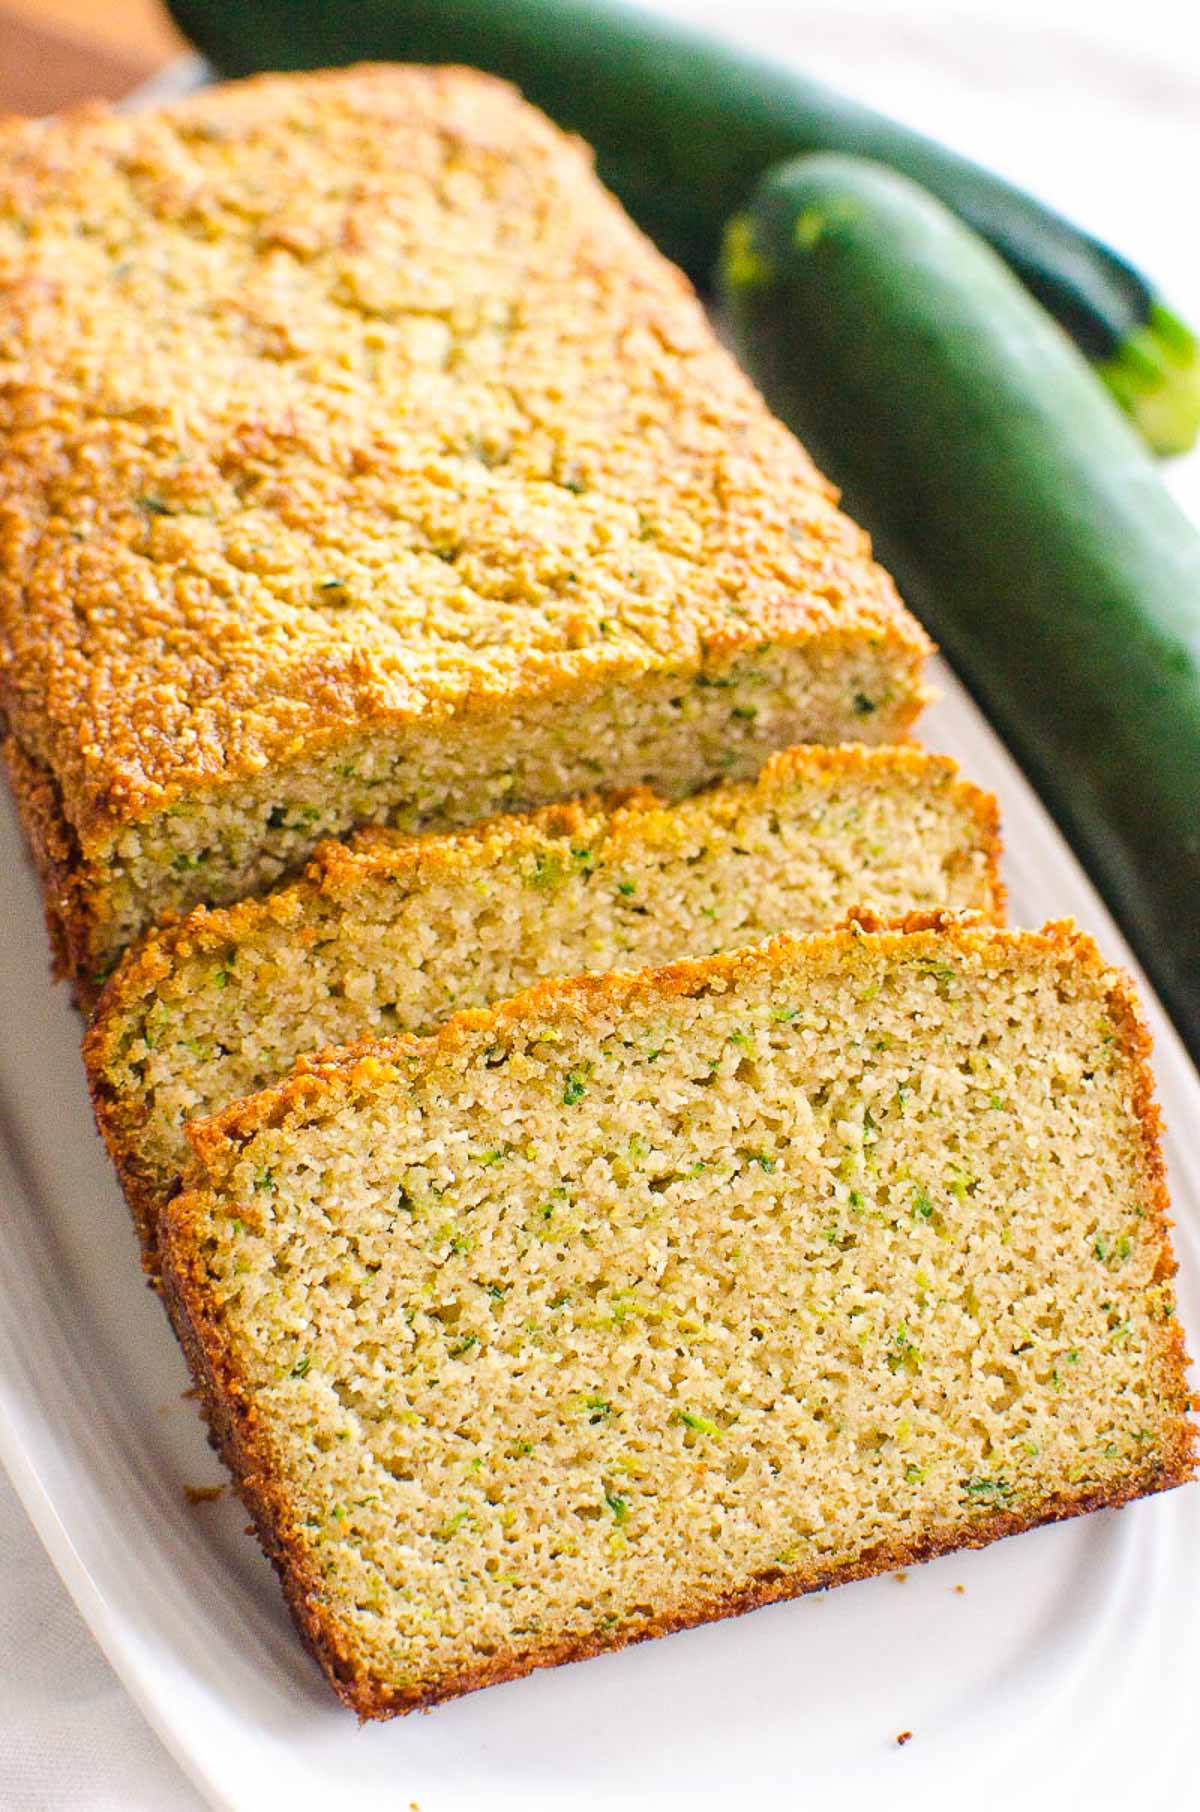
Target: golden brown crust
{"x":56,"y":859}
{"x":118,"y":1127}
{"x":329,"y":501}
{"x":243,"y":1443}
{"x":1133,"y":1035}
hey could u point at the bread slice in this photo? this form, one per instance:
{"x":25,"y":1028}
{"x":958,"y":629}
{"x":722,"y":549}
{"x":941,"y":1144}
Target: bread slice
{"x":363,"y":463}
{"x":392,"y":935}
{"x":641,"y":1300}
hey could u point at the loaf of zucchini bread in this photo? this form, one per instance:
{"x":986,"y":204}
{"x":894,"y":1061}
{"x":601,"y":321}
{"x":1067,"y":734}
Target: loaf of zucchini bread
{"x":644,"y":1299}
{"x":394,"y":933}
{"x":362,"y":463}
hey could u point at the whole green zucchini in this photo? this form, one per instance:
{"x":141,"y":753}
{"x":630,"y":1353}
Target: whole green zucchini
{"x":683,"y":126}
{"x":1021,"y":515}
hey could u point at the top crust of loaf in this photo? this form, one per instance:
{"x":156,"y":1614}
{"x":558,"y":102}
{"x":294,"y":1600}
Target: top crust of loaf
{"x":341,"y":401}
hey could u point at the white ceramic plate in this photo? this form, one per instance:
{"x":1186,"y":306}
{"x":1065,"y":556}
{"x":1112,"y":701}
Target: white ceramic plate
{"x":1066,"y":1667}
{"x":1063,"y":1644}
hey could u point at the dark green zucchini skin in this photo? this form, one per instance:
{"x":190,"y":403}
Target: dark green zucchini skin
{"x":683,"y":126}
{"x":1022,"y":516}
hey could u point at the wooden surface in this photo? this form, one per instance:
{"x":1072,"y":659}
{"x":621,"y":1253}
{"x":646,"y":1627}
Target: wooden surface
{"x":56,"y":52}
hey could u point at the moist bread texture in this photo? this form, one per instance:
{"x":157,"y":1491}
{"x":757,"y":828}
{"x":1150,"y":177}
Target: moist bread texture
{"x":362,"y":463}
{"x":393,"y":934}
{"x":640,"y":1300}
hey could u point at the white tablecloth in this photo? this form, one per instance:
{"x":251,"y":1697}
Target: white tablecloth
{"x":70,"y":1736}
{"x":1100,"y":113}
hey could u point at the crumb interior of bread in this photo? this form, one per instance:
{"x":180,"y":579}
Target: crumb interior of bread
{"x":675,"y":732}
{"x":400,"y":943}
{"x":591,"y":1321}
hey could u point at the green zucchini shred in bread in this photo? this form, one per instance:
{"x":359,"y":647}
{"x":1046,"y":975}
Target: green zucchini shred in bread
{"x":392,"y":935}
{"x":847,"y":1251}
{"x":363,"y":463}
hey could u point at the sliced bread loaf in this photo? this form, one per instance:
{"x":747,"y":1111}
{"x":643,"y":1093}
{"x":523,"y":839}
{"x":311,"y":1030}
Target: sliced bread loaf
{"x":641,"y":1300}
{"x":362,"y":463}
{"x":392,"y":935}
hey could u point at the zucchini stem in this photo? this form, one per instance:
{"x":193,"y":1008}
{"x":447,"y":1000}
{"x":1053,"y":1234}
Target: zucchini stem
{"x":1155,"y":376}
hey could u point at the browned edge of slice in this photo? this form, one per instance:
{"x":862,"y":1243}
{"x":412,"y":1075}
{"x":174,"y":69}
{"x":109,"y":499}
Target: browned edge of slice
{"x":56,"y":862}
{"x":244,"y":1443}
